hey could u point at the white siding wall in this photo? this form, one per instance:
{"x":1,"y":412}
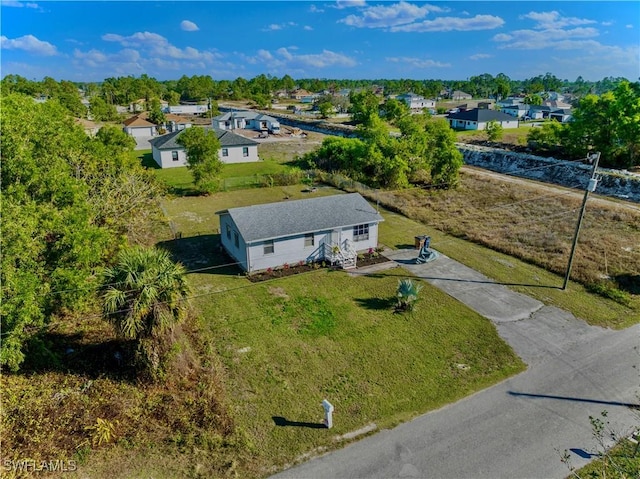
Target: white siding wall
{"x":164,"y":158}
{"x":227,"y":237}
{"x":236,"y":155}
{"x":292,"y":250}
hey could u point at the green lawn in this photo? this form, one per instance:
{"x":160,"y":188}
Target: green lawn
{"x":180,"y":181}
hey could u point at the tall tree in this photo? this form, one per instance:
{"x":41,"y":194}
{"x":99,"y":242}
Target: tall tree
{"x":202,"y":148}
{"x":364,"y":105}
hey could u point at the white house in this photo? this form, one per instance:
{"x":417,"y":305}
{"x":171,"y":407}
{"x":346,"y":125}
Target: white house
{"x":562,"y":115}
{"x":245,"y":119}
{"x":477,"y":119}
{"x":330,"y":228}
{"x":168,"y":153}
{"x":518,"y":110}
{"x":139,"y":127}
{"x":460,"y":95}
{"x":187,"y":109}
{"x":416,"y":102}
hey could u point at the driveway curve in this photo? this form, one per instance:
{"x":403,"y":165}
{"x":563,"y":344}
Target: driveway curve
{"x":519,"y":427}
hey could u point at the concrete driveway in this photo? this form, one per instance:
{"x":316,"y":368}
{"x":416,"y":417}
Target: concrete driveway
{"x":520,"y":427}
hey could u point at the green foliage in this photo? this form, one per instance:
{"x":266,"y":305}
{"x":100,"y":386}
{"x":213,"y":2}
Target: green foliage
{"x":407,"y":294}
{"x":68,"y":201}
{"x":494,"y":130}
{"x":102,"y":432}
{"x":364,"y":105}
{"x":548,"y":138}
{"x":326,"y":109}
{"x":101,"y":110}
{"x":394,"y":110}
{"x":114,"y":138}
{"x":156,"y":115}
{"x":202,"y":156}
{"x":144,"y":296}
{"x":609,"y":123}
{"x":532,"y":99}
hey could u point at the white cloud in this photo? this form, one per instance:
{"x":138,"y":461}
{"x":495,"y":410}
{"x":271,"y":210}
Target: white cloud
{"x":553,"y":20}
{"x":480,"y":56}
{"x":607,"y":24}
{"x":385,"y":16}
{"x":308,"y":28}
{"x":539,"y":39}
{"x":273,"y":27}
{"x":189,"y":26}
{"x":314,"y":9}
{"x":14,"y":3}
{"x":628,"y":25}
{"x":418,"y":62}
{"x":448,"y":24}
{"x":279,"y":26}
{"x":125,"y":61}
{"x":285,"y":58}
{"x":30,"y":44}
{"x":350,"y":3}
{"x":154,"y":45}
{"x":596,"y":61}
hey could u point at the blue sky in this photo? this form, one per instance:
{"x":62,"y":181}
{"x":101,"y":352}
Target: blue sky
{"x":90,"y":41}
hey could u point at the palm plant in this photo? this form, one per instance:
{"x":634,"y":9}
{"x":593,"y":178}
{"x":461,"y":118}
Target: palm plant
{"x":144,"y":295}
{"x":407,"y":294}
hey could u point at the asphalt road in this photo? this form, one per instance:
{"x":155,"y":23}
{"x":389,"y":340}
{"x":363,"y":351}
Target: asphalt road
{"x":520,"y":427}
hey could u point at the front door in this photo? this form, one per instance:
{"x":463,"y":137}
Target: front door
{"x":335,"y":237}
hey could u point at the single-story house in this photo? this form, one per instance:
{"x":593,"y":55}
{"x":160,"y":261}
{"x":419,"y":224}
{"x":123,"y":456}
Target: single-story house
{"x":89,"y":127}
{"x":244,"y":119}
{"x":562,"y":115}
{"x":460,"y":95}
{"x":477,"y":119}
{"x":509,"y":101}
{"x":176,"y":122}
{"x":168,"y":153}
{"x":188,"y":109}
{"x":329,"y":228}
{"x":139,"y":127}
{"x":538,"y":112}
{"x":299,"y":94}
{"x":519,"y":110}
{"x":416,"y":102}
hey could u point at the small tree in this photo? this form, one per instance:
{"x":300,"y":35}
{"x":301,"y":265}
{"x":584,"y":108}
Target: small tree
{"x":407,"y":294}
{"x":156,"y":115}
{"x":494,"y":131}
{"x":202,"y":156}
{"x":144,"y":296}
{"x":326,"y":109}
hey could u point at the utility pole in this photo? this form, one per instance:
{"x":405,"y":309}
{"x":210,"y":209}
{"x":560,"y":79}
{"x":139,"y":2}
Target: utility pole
{"x":593,"y":182}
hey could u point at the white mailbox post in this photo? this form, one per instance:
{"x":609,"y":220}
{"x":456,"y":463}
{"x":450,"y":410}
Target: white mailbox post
{"x":328,"y":413}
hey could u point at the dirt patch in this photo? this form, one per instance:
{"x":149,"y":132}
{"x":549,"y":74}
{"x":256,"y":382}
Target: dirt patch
{"x":278,"y":292}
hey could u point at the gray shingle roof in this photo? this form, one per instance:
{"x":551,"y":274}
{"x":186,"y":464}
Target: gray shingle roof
{"x":247,"y":115}
{"x":481,"y":115}
{"x":288,"y":218}
{"x":227,"y":139}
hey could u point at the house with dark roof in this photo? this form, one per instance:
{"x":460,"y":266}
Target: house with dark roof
{"x":329,"y":228}
{"x":245,"y":119}
{"x":477,"y":119}
{"x":168,"y":153}
{"x":517,"y":110}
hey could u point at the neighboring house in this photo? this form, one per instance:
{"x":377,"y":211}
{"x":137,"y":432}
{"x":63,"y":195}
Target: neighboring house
{"x":139,"y":127}
{"x":485,"y":105}
{"x":89,"y":127}
{"x":509,"y":102}
{"x":188,"y":109}
{"x":138,"y":105}
{"x":416,"y":102}
{"x":562,"y":115}
{"x":244,"y":119}
{"x":477,"y":119}
{"x":556,"y":104}
{"x":329,"y":228}
{"x":175,"y":122}
{"x":168,"y":153}
{"x":460,"y":95}
{"x":299,"y":94}
{"x":309,"y":98}
{"x":519,"y":110}
{"x":538,"y":112}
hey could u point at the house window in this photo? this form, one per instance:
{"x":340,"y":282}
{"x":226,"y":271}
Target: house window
{"x":361,"y":233}
{"x":309,"y":240}
{"x":228,"y":232}
{"x":245,"y":151}
{"x":235,"y":239}
{"x":268,"y":247}
{"x":174,"y":155}
{"x":225,"y":152}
